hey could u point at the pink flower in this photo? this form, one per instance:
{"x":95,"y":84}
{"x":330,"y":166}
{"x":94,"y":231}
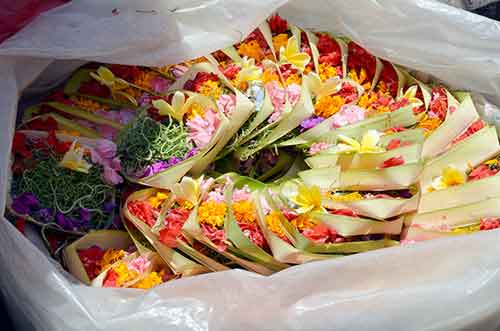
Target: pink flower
{"x":254,"y":233}
{"x":139,"y":264}
{"x":216,"y":236}
{"x":160,"y":84}
{"x":227,"y":104}
{"x":216,"y":195}
{"x":111,"y":176}
{"x":293,"y":91}
{"x":348,"y":114}
{"x":201,"y":129}
{"x":277,"y":96}
{"x":116,"y":164}
{"x":106,"y":148}
{"x":318,"y":147}
{"x":241,"y":194}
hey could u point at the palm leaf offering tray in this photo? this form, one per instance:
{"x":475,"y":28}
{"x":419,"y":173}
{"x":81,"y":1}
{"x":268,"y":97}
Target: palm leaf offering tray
{"x":288,"y":147}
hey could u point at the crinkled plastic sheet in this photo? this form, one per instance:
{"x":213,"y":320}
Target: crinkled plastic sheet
{"x":443,"y":284}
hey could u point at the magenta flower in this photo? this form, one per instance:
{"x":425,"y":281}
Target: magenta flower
{"x":202,"y":129}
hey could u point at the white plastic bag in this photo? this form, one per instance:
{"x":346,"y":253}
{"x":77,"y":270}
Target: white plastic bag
{"x":443,"y":284}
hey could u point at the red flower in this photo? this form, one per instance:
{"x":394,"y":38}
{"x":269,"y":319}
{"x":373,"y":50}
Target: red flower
{"x":399,"y":104}
{"x":94,"y":88}
{"x":200,"y":78}
{"x":343,"y":212}
{"x":348,"y":92}
{"x":473,"y":128}
{"x":143,"y":211}
{"x":327,"y":45}
{"x":173,"y":225}
{"x":39,"y":124}
{"x":58,"y":146}
{"x":277,"y":24}
{"x":125,"y":72}
{"x":20,"y":224}
{"x":389,"y":76}
{"x":254,"y":233}
{"x":360,"y":58}
{"x":320,"y":233}
{"x":19,"y":145}
{"x":220,"y":56}
{"x":439,"y":102}
{"x":393,"y":144}
{"x":393,"y":162}
{"x":419,"y":95}
{"x":483,"y":171}
{"x":110,"y":279}
{"x":287,"y":70}
{"x":489,"y":223}
{"x":90,"y":258}
{"x":304,"y":40}
{"x":332,"y":59}
{"x":231,"y":71}
{"x":289,"y":215}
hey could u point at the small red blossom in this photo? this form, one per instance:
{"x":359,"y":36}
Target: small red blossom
{"x":125,"y":72}
{"x":399,"y":104}
{"x":254,"y":233}
{"x":320,"y":233}
{"x":420,"y":96}
{"x":217,"y":236}
{"x":277,"y":24}
{"x":359,"y":58}
{"x":19,"y":145}
{"x":393,"y":162}
{"x":142,"y":210}
{"x":389,"y":76}
{"x":289,"y":215}
{"x":90,"y":258}
{"x":220,"y":56}
{"x":20,"y":224}
{"x":287,"y":69}
{"x":439,"y":102}
{"x":393,"y":144}
{"x":58,"y":146}
{"x":40,"y":124}
{"x":489,"y":223}
{"x":328,"y":46}
{"x":343,"y":212}
{"x":110,"y":279}
{"x":231,"y":71}
{"x":331,"y":59}
{"x":200,"y":78}
{"x":259,"y":38}
{"x":174,"y":222}
{"x":473,"y":128}
{"x":482,"y":171}
{"x":94,"y":88}
{"x":348,"y":92}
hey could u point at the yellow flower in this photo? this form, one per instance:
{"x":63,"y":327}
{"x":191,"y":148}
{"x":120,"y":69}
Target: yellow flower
{"x":326,"y":71}
{"x":303,"y":222}
{"x":187,"y":191}
{"x":354,"y":196}
{"x":211,"y":88}
{"x":89,"y":104}
{"x":212,"y":213}
{"x":194,"y":105}
{"x":116,"y":85}
{"x":368,"y":143}
{"x":279,"y":41}
{"x":249,"y":71}
{"x":144,"y":79}
{"x":150,"y":281}
{"x":308,"y":198}
{"x":124,"y":273}
{"x":429,"y":124}
{"x":451,"y":176}
{"x":293,"y":79}
{"x":274,"y":224}
{"x":491,"y":162}
{"x":382,"y":87}
{"x":360,"y":78}
{"x":157,"y":200}
{"x":244,"y":211}
{"x":410,"y":95}
{"x":368,"y":101}
{"x":110,"y":257}
{"x":328,"y":105}
{"x":291,"y":54}
{"x":252,"y":50}
{"x":73,"y":159}
{"x":270,"y":75}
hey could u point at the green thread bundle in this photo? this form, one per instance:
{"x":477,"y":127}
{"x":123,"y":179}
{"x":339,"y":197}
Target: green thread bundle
{"x":145,"y":141}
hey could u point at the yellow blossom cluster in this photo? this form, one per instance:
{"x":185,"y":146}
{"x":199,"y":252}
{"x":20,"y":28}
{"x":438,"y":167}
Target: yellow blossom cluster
{"x":328,"y":105}
{"x":212,"y":213}
{"x":244,"y":211}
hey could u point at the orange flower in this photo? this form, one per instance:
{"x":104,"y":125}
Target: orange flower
{"x":361,"y":78}
{"x":328,"y":105}
{"x":144,"y":79}
{"x":270,"y":75}
{"x":252,"y":50}
{"x":244,"y":211}
{"x":429,"y":124}
{"x":89,"y":104}
{"x":280,"y":41}
{"x":303,"y":222}
{"x":274,"y":224}
{"x":293,"y":79}
{"x":326,"y":71}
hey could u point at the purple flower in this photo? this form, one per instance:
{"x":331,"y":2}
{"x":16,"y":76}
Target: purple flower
{"x":63,"y":221}
{"x":117,"y":222}
{"x":310,"y":123}
{"x":145,"y":100}
{"x":173,"y":161}
{"x":160,"y":166}
{"x":46,"y":214}
{"x":191,"y":153}
{"x":85,"y":215}
{"x":108,"y":207}
{"x":25,"y":203}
